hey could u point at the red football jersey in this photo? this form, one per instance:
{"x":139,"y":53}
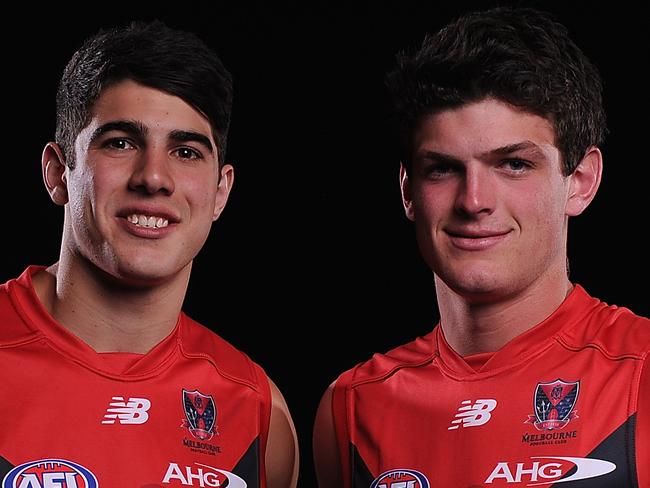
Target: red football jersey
{"x":567,"y":404}
{"x":193,"y":411}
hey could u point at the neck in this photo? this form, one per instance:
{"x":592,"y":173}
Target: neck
{"x":474,"y":326}
{"x":107,"y":314}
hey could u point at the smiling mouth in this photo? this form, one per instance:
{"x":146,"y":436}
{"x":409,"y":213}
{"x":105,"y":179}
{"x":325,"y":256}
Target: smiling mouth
{"x":477,"y":236}
{"x":476,"y":242}
{"x":148,"y":221}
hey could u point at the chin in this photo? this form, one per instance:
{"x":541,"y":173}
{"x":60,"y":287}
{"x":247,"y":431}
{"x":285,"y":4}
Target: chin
{"x":136,"y":279}
{"x":478,"y":285}
{"x":144,"y":274}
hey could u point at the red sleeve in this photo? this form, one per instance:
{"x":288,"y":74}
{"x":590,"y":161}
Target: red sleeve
{"x":265,"y":418}
{"x":643,"y":426}
{"x":340,"y":416}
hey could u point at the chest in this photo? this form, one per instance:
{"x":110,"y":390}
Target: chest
{"x":186,"y":426}
{"x":534,"y":424}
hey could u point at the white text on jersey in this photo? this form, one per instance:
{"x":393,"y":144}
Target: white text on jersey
{"x":550,"y":472}
{"x":203,"y":475}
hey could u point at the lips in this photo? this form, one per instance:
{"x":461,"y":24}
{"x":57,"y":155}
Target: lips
{"x":475,"y":239}
{"x":148,"y":212}
{"x":148,"y":221}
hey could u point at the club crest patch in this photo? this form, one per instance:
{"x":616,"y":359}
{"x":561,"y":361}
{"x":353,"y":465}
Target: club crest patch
{"x":554,"y":404}
{"x":200,"y":414}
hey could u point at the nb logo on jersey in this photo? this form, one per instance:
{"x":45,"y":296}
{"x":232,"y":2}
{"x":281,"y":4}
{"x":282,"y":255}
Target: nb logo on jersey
{"x":473,"y":415}
{"x":132,"y":412}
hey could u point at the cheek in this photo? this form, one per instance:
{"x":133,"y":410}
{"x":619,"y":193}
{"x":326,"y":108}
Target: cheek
{"x":546,"y":213}
{"x":94,"y":194}
{"x":430,"y":203}
{"x":430,"y":209}
{"x":200,"y":196}
{"x":82,"y":192}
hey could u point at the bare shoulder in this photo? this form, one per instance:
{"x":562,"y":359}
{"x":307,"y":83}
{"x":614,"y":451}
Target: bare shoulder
{"x":282,"y":444}
{"x":326,"y":452}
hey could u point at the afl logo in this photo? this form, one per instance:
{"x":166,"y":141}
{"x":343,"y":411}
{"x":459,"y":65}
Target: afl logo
{"x":401,"y":478}
{"x":48,"y":473}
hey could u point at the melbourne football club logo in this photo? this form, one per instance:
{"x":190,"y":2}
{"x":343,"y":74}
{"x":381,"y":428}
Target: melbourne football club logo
{"x":554,"y":404}
{"x":50,"y":473}
{"x":200,"y":414}
{"x":400,"y":478}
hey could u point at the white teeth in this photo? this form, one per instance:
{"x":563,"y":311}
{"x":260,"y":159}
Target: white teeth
{"x":147,"y":221}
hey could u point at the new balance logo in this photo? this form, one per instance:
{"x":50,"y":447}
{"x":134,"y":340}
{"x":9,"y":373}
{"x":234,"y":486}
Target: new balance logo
{"x":473,"y":415}
{"x":132,"y":412}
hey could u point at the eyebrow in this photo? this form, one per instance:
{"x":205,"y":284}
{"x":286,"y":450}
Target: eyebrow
{"x":139,"y":130}
{"x":527,"y":146}
{"x":532,"y":150}
{"x":191,"y":136}
{"x":131,"y":127}
{"x":440,"y":157}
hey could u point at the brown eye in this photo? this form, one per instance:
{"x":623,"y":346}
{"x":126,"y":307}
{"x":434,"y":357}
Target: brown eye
{"x":188,"y":153}
{"x":119,"y":144}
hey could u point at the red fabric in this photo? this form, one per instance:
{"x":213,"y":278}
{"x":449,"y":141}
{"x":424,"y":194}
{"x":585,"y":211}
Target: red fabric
{"x":57,"y":393}
{"x":643,"y":427}
{"x":421,"y":407}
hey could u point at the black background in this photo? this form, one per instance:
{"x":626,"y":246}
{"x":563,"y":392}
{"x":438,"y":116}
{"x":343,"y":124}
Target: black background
{"x":313,"y":266}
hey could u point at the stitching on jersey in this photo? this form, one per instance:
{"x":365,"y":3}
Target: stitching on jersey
{"x":600,"y":347}
{"x":429,"y":359}
{"x":208,"y":357}
{"x":37,"y":336}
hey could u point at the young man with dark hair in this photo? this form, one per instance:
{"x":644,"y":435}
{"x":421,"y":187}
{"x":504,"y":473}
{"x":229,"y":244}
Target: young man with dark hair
{"x":526,"y":380}
{"x":106,"y":381}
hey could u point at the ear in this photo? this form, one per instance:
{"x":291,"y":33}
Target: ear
{"x":405,"y":187}
{"x":227,"y":177}
{"x":54,"y":176}
{"x":584,"y":182}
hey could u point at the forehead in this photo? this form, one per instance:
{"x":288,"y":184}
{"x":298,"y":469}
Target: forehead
{"x":482,"y":126}
{"x":157,"y":110}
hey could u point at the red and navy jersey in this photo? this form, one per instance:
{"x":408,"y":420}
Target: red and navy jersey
{"x":567,"y":404}
{"x":194,"y":411}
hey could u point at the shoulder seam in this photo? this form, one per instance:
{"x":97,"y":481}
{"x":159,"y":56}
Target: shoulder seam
{"x":594,"y":345}
{"x":34,"y":338}
{"x":209,"y":358}
{"x":393,"y":370}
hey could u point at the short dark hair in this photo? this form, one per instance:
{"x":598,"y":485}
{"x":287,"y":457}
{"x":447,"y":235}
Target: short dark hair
{"x":150,"y":53}
{"x":521,"y":56}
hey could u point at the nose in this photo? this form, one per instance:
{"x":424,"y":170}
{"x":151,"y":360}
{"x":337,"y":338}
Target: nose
{"x":477,"y":191}
{"x":152,"y":173}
